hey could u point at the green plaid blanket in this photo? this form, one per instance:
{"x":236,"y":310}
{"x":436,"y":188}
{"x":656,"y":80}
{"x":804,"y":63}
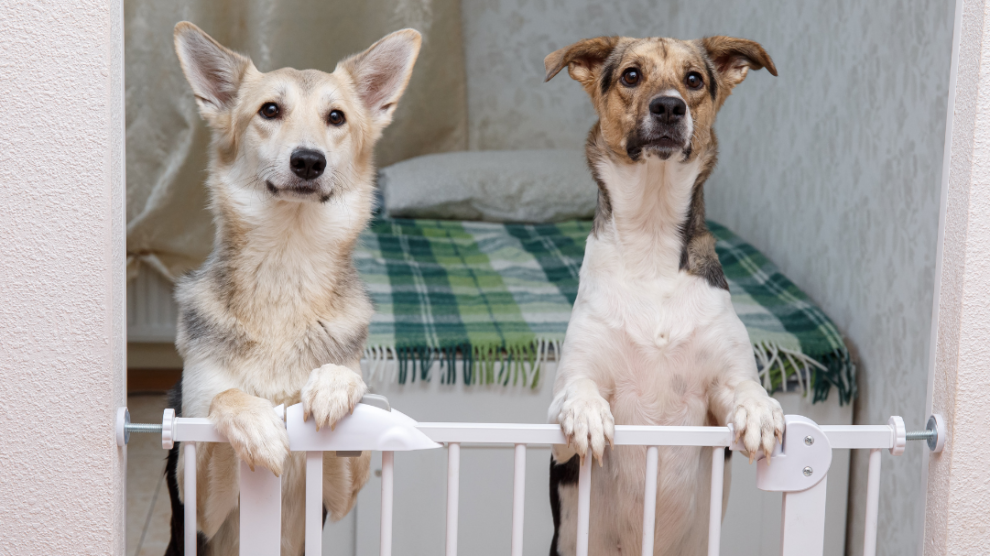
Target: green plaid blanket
{"x":498,"y":297}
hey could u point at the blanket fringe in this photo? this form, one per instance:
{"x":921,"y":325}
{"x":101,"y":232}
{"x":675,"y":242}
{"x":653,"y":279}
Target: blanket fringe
{"x":485,"y":364}
{"x":779,"y":368}
{"x":521,"y":365}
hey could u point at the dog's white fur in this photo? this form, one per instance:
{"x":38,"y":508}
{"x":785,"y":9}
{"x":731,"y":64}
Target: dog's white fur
{"x":643,"y":346}
{"x":650,"y":343}
{"x":278,"y":315}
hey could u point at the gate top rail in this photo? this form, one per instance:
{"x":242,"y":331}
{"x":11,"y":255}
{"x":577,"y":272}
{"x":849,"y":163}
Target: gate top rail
{"x":801,"y":465}
{"x":384,"y":429}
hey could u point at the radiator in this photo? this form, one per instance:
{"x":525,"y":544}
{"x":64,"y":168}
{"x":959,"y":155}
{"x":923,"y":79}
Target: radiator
{"x":151,"y":311}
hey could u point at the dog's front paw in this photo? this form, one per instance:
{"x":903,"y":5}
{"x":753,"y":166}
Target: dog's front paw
{"x":587,"y":421}
{"x":758,"y":421}
{"x":331,"y":392}
{"x":253,"y":429}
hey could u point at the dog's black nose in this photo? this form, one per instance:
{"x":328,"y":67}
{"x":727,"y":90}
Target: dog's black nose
{"x":668,"y":109}
{"x":307,"y":164}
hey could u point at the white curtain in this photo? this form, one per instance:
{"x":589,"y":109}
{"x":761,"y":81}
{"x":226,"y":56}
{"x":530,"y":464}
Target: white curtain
{"x":168,"y":225}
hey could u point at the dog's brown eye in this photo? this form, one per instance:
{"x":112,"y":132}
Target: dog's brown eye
{"x":269,"y":111}
{"x":630,"y":77}
{"x":336,"y":117}
{"x":694,"y":80}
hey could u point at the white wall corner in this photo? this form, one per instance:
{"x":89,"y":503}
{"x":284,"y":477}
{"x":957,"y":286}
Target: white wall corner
{"x":62,"y":318}
{"x":958,"y":493}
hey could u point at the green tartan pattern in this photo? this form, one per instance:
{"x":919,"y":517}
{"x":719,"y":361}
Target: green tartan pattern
{"x":500,"y":296}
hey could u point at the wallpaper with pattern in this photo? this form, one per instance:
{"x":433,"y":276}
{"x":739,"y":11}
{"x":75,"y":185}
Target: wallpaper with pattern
{"x":832,"y":169}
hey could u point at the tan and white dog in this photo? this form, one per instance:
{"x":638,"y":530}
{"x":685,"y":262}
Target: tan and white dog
{"x":653,"y":338}
{"x":278,"y":313}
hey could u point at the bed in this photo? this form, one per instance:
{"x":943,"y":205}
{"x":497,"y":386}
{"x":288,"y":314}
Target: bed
{"x":484,"y":303}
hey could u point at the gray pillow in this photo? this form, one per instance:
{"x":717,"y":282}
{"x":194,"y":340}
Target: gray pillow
{"x":495,"y":186}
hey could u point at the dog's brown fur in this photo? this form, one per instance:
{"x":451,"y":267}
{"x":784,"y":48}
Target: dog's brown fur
{"x":278,"y":313}
{"x":663,"y":63}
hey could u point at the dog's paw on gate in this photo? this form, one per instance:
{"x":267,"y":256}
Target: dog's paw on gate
{"x":758,"y":420}
{"x":331,"y":393}
{"x":587,"y":422}
{"x":253,"y":429}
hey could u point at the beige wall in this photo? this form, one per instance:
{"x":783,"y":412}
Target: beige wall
{"x":832,"y":169}
{"x":958,"y":489}
{"x":61,"y":277}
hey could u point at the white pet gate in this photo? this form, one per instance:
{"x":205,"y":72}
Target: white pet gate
{"x":799,"y":470}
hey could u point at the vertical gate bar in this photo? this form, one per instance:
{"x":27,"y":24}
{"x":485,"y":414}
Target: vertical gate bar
{"x":189,"y":468}
{"x":650,"y":500}
{"x":387,"y":490}
{"x":802,"y":522}
{"x":584,"y":505}
{"x":260,"y":512}
{"x":314,"y":503}
{"x":872,"y":504}
{"x":518,"y":500}
{"x":715,"y":518}
{"x":453,"y":487}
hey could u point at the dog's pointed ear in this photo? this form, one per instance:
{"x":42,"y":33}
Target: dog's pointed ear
{"x":214,"y":72}
{"x":382,"y":72}
{"x":583,"y":59}
{"x":734,"y":58}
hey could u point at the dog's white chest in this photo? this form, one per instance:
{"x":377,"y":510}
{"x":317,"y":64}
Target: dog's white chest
{"x":658,"y":340}
{"x":658,"y":316}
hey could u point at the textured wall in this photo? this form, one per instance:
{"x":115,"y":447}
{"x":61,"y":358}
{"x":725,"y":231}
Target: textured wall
{"x":958,"y":490}
{"x":832,"y":169}
{"x":61,"y":277}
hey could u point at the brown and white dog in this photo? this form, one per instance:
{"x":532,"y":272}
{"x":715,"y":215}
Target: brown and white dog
{"x":278,"y":313}
{"x":653,"y":338}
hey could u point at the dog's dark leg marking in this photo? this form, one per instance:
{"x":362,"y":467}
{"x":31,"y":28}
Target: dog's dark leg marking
{"x":561,"y":474}
{"x":176,"y":544}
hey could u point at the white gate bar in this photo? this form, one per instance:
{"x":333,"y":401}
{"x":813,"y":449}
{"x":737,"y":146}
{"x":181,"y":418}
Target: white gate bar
{"x":650,"y":500}
{"x":388,"y":478}
{"x":858,"y":436}
{"x":625,"y":435}
{"x":584,"y":505}
{"x":314,"y":503}
{"x":872,"y":504}
{"x":715,"y":515}
{"x":453,"y":492}
{"x":518,"y":499}
{"x":803,"y":521}
{"x":261,"y":512}
{"x":839,"y":436}
{"x":195,"y":429}
{"x":189,"y":517}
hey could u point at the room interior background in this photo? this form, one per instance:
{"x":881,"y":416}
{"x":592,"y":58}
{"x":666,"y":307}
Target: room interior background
{"x":831,"y":169}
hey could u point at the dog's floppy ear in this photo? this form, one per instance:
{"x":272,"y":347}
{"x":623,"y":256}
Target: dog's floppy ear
{"x":734,"y":58}
{"x":213,"y":71}
{"x":583,"y":59}
{"x":382,"y":72}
